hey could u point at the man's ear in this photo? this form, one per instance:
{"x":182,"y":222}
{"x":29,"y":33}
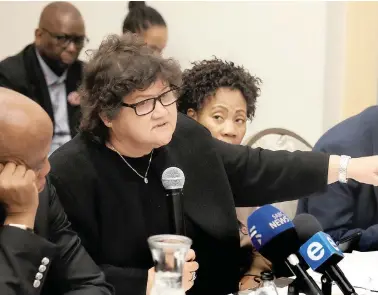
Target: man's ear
{"x":192,"y":114}
{"x":37,"y":36}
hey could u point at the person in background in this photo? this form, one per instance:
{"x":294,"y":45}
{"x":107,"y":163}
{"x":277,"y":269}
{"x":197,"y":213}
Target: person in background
{"x":222,"y":97}
{"x":344,"y":210}
{"x":39,"y":253}
{"x":131,"y":133}
{"x":148,"y":23}
{"x":48,"y":70}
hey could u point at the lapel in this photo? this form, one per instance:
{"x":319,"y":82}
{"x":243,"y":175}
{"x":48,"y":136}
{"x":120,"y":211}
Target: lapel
{"x":39,"y":90}
{"x":34,"y":73}
{"x":41,"y":219}
{"x":73,"y":81}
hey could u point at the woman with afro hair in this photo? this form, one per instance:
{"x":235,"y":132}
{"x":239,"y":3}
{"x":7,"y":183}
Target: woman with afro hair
{"x":222,"y":97}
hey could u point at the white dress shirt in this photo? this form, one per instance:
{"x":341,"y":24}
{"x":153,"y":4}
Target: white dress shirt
{"x":58,"y":96}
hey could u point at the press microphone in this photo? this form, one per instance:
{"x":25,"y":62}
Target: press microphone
{"x":273,"y":235}
{"x":320,"y":252}
{"x":173,"y":180}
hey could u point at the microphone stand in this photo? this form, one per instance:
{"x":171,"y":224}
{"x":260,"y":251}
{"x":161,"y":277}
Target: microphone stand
{"x":296,"y":287}
{"x":303,"y":283}
{"x":326,"y":285}
{"x":300,"y":286}
{"x":335,"y":274}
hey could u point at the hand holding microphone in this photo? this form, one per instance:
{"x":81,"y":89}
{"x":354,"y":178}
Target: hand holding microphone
{"x":173,"y":180}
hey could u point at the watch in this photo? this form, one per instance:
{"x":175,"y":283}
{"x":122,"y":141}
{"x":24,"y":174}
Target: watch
{"x":21,"y":226}
{"x":343,"y":169}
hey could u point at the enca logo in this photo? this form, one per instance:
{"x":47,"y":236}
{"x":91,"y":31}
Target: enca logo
{"x":315,"y":251}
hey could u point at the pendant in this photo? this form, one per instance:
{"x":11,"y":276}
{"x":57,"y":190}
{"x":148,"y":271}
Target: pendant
{"x":145,"y":180}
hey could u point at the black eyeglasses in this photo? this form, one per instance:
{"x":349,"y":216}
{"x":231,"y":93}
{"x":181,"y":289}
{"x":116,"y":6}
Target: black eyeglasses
{"x":147,"y":106}
{"x":65,"y":40}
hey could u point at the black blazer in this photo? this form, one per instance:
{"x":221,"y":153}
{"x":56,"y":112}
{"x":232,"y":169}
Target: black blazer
{"x":69,"y":269}
{"x":218,"y":176}
{"x":343,"y":210}
{"x":23,"y":73}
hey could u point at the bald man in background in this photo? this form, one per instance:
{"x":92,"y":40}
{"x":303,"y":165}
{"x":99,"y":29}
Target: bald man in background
{"x":39,"y":253}
{"x":48,"y":71}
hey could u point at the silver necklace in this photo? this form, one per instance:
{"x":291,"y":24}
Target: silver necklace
{"x":141,"y":176}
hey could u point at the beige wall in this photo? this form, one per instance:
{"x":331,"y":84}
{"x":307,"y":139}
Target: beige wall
{"x":361,"y":64}
{"x":317,"y":59}
{"x":281,"y":42}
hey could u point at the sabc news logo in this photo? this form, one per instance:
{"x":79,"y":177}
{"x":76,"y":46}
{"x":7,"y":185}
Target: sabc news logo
{"x":253,"y":234}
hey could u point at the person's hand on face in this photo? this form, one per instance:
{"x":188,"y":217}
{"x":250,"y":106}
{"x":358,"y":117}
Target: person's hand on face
{"x":19,"y":193}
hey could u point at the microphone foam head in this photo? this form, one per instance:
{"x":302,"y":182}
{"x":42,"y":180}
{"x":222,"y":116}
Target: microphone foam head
{"x":306,"y":226}
{"x":173,"y":178}
{"x":272,"y":233}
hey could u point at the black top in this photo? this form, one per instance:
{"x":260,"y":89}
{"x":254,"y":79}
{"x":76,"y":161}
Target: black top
{"x":114,"y":211}
{"x":54,"y":245}
{"x":145,"y":207}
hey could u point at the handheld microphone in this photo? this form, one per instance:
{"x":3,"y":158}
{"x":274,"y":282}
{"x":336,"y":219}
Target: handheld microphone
{"x":274,"y":236}
{"x":320,"y":252}
{"x":173,"y":180}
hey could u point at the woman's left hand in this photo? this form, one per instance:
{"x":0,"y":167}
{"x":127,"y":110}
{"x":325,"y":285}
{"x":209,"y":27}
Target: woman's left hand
{"x":190,"y":268}
{"x":189,"y":273}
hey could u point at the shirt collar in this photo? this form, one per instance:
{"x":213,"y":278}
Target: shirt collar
{"x":50,"y":76}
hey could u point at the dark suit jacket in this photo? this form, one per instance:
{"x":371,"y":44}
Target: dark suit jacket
{"x":218,"y":176}
{"x":344,"y":209}
{"x":23,"y":73}
{"x":69,"y":270}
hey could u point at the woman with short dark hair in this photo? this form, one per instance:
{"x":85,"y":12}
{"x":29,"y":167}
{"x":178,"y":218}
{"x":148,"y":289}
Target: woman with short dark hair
{"x":222,"y":97}
{"x":109,"y":176}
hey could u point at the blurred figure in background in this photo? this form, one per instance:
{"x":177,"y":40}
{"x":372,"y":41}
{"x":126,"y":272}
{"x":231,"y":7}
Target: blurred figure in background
{"x":222,"y":97}
{"x":48,"y":71}
{"x":148,"y":23}
{"x":344,"y":210}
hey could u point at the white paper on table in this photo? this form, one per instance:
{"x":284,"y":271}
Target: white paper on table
{"x":360,"y":268}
